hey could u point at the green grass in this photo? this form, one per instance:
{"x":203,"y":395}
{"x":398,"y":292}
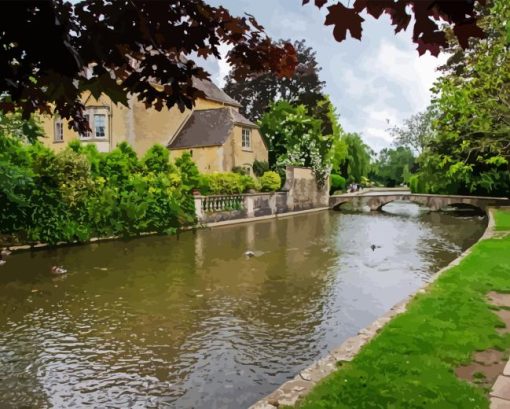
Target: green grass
{"x":411,"y":363}
{"x":502,"y":219}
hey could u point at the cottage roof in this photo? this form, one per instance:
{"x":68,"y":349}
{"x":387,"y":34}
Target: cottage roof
{"x":213,"y":92}
{"x":208,"y":127}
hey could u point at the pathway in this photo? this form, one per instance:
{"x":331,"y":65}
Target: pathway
{"x":500,"y":393}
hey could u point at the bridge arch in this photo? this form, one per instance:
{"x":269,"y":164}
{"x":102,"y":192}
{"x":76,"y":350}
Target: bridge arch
{"x":337,"y":206}
{"x":478,"y":206}
{"x":418,"y":201}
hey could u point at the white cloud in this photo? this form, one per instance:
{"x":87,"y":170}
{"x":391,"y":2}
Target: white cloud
{"x":223,"y":66}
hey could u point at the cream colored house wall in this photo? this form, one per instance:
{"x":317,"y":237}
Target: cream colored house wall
{"x":208,"y":159}
{"x":116,"y":126}
{"x":245,"y":157}
{"x":138,"y":126}
{"x":142,"y":128}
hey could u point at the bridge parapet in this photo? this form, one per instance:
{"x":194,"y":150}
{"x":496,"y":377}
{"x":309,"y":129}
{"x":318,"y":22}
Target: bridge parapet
{"x":375,"y":200}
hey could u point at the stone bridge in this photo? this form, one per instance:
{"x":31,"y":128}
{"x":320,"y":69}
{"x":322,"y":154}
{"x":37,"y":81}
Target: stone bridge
{"x":376,"y":200}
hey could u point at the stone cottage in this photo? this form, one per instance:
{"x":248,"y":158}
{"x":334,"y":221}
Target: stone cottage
{"x":218,"y":137}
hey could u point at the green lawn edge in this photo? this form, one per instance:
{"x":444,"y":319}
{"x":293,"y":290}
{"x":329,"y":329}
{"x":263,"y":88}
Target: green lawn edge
{"x":411,"y":362}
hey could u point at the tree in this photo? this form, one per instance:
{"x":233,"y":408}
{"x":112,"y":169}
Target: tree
{"x":416,"y":131}
{"x":357,"y":161}
{"x":258,"y":91}
{"x":428,"y":17}
{"x":51,"y":51}
{"x":470,"y":152}
{"x":393,"y":166}
{"x":295,"y":138}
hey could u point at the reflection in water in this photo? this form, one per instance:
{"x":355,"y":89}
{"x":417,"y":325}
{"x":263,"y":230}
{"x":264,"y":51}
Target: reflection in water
{"x":191,"y":322}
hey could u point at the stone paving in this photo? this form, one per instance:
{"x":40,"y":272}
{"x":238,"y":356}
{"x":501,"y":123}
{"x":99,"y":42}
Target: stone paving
{"x":500,"y":393}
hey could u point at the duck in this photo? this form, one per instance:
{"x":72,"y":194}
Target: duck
{"x":2,"y":261}
{"x":5,"y":252}
{"x":373,"y":247}
{"x":249,"y":253}
{"x":58,"y":270}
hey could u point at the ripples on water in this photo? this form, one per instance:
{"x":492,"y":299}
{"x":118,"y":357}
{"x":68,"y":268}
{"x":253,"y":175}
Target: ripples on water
{"x":190,"y":322}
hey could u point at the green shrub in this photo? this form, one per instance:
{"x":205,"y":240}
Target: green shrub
{"x":156,"y":159}
{"x":240,"y":170}
{"x":260,"y":167}
{"x":337,"y":183}
{"x":80,"y":193}
{"x":270,"y":181}
{"x":250,"y":183}
{"x":225,"y":183}
{"x":190,"y":175}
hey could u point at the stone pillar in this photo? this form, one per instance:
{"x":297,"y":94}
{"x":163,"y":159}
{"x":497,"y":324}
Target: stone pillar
{"x":198,"y":208}
{"x":248,"y":205}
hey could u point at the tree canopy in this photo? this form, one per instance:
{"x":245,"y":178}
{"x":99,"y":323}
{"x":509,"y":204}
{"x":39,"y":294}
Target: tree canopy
{"x":428,"y":17}
{"x":52,"y":51}
{"x":257,"y":91}
{"x":393,"y":166}
{"x":294,"y":137}
{"x":415,"y":132}
{"x":470,"y":150}
{"x":356,"y":163}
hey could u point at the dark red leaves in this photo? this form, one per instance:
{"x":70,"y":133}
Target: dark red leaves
{"x":428,"y":15}
{"x":344,"y":19}
{"x":318,"y":3}
{"x":466,"y":31}
{"x":135,"y":47}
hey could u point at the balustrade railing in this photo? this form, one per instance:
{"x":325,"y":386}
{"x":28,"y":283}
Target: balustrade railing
{"x":211,"y":204}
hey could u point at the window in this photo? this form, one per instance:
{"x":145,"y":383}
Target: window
{"x":87,"y":134}
{"x":97,"y":119}
{"x":100,"y":125}
{"x":246,"y":138}
{"x":59,"y":131}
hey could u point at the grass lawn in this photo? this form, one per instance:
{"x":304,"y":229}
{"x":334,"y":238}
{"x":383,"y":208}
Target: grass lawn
{"x":411,"y":363}
{"x":502,"y":220}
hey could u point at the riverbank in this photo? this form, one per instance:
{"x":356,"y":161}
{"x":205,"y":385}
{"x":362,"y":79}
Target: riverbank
{"x":412,"y":362}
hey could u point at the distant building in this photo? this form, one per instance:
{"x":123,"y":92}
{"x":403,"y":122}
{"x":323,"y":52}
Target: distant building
{"x":214,"y":131}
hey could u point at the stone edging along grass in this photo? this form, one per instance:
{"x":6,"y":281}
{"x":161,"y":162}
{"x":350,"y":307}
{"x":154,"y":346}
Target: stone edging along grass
{"x":410,"y":363}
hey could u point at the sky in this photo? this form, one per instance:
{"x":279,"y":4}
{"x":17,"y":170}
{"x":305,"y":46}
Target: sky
{"x":374,"y":83}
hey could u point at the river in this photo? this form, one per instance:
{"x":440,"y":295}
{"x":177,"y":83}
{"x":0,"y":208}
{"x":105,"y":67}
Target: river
{"x":191,"y":322}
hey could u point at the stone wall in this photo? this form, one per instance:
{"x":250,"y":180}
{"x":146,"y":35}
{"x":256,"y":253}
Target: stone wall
{"x":303,"y":192}
{"x":300,"y":192}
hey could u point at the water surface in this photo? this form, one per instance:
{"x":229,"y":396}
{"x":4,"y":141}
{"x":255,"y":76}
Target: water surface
{"x":190,"y":322}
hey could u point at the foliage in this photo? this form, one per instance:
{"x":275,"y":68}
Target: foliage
{"x":470,"y":150}
{"x":259,"y":167}
{"x":12,"y":125}
{"x":190,"y":175}
{"x":240,"y":170}
{"x":257,"y":91}
{"x":356,"y":162}
{"x":337,"y":183}
{"x":270,"y":181}
{"x":227,"y":183}
{"x":428,"y":17}
{"x":295,"y":138}
{"x":80,"y":193}
{"x":416,"y":131}
{"x":411,"y":363}
{"x":122,"y":48}
{"x":393,"y":166}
